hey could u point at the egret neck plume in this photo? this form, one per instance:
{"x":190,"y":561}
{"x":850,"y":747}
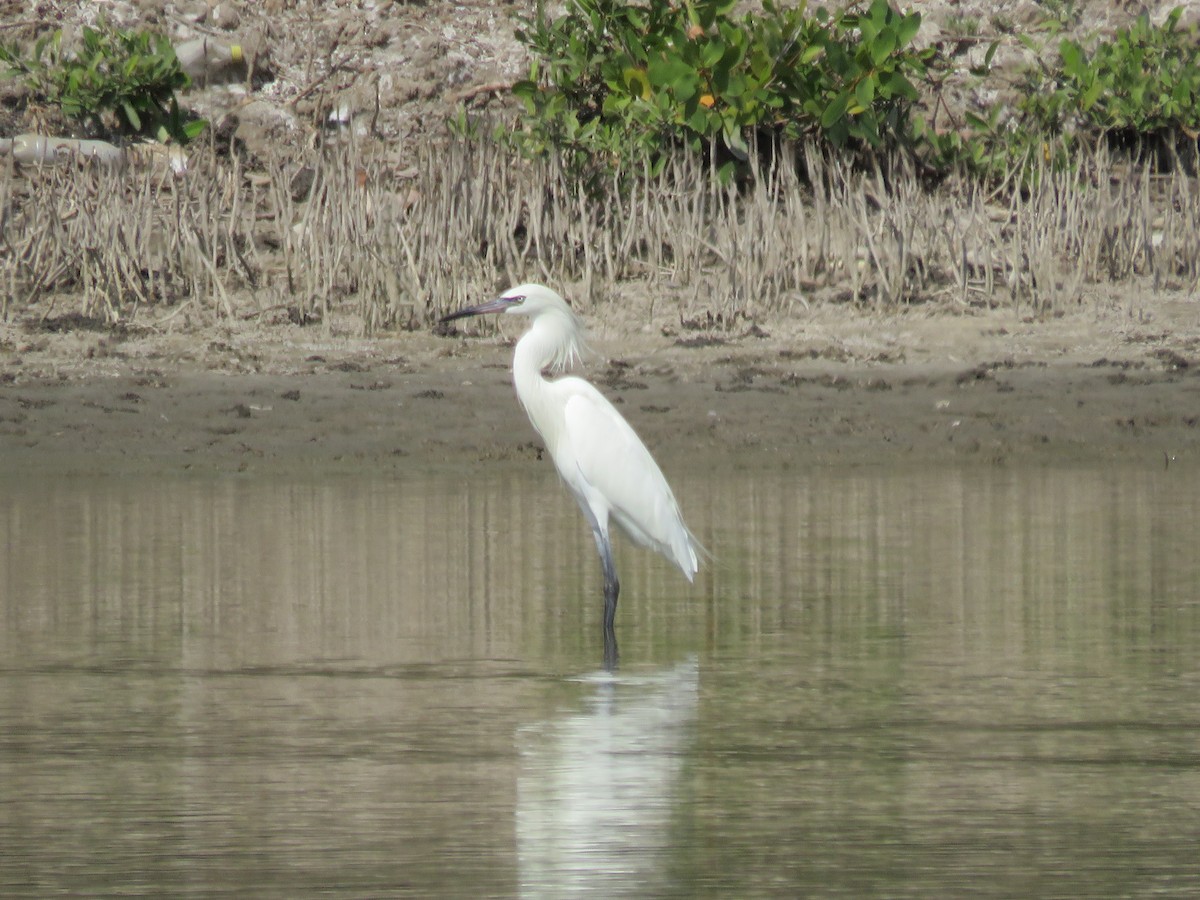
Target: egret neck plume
{"x":598,"y":455}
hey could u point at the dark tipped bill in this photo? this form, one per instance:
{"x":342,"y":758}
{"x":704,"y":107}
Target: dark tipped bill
{"x":500,"y":304}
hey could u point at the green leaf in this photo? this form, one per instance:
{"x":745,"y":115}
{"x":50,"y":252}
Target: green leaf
{"x":867,"y":126}
{"x":670,"y":72}
{"x":975,"y":121}
{"x":712,"y":52}
{"x":991,"y":52}
{"x":908,"y":28}
{"x":131,"y":115}
{"x":811,"y":52}
{"x":637,"y":83}
{"x":864,"y":91}
{"x":734,"y":87}
{"x":867,"y":30}
{"x":1091,"y":95}
{"x":615,"y":104}
{"x":1072,"y":59}
{"x":836,"y":111}
{"x":881,"y":11}
{"x":698,"y":121}
{"x":898,"y":85}
{"x":883,"y":45}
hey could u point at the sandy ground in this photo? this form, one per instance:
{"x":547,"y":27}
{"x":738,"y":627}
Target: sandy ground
{"x":1117,"y":381}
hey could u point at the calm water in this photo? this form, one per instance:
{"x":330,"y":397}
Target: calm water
{"x":912,"y":684}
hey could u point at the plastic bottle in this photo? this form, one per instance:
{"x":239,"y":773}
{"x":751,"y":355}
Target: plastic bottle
{"x":39,"y":150}
{"x":205,"y":60}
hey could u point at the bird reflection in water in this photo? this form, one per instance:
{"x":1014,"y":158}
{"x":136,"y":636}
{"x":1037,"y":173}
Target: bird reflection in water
{"x":599,"y":788}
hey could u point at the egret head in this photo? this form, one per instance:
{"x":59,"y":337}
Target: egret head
{"x":534,"y":299}
{"x":523,"y":300}
{"x":551,"y":314}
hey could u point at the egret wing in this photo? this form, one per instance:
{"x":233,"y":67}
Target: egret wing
{"x":615,"y":465}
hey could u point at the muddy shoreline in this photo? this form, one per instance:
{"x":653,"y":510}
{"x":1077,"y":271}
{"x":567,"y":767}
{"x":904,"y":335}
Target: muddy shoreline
{"x":832,"y":388}
{"x":1115,"y":378}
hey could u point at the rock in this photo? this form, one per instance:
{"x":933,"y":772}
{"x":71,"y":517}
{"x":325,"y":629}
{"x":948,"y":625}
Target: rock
{"x":225,"y":15}
{"x":265,"y":128}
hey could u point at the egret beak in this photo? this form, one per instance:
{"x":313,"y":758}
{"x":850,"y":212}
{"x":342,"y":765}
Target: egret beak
{"x":500,"y":304}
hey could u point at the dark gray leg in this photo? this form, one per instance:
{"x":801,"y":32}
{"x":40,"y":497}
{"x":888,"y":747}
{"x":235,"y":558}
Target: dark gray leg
{"x":612,"y":589}
{"x":612,"y":655}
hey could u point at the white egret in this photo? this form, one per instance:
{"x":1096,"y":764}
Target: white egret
{"x":600,"y":458}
